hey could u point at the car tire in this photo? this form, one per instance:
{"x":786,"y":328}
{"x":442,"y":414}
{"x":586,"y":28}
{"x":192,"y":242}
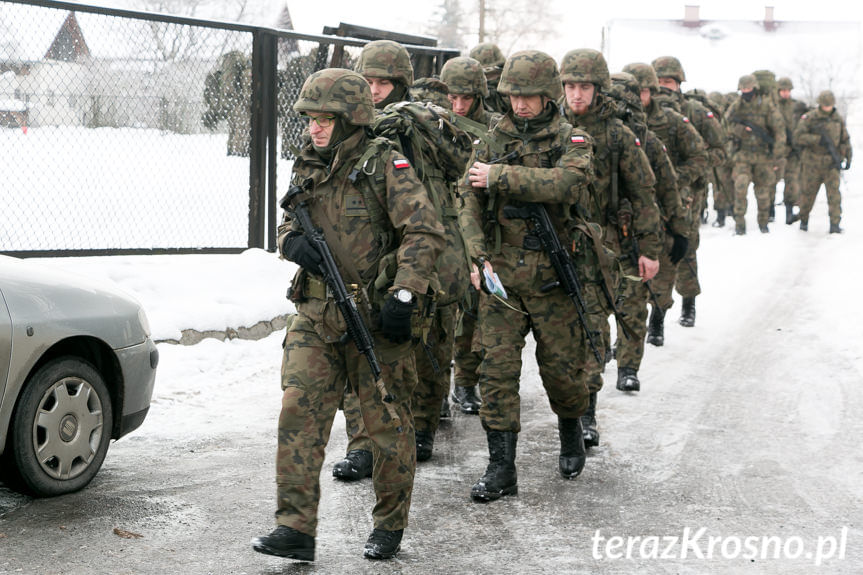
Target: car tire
{"x":61,"y":427}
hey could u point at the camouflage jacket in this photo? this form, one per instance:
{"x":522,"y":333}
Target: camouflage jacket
{"x":791,"y":111}
{"x":684,"y":145}
{"x":613,"y":140}
{"x":746,"y":143}
{"x":808,"y":133}
{"x":418,"y":234}
{"x":667,"y":193}
{"x":706,"y":124}
{"x":551,"y":164}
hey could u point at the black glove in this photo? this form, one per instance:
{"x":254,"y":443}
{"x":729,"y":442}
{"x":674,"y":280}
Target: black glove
{"x":297,"y":248}
{"x":396,"y":319}
{"x":678,"y":250}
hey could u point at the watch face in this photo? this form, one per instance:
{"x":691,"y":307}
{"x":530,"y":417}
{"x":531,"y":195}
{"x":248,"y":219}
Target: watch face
{"x":403,"y":295}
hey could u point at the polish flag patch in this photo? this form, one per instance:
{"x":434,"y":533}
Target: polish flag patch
{"x":577,"y":139}
{"x":401,"y":163}
{"x":709,"y":114}
{"x":637,"y":141}
{"x":685,"y":119}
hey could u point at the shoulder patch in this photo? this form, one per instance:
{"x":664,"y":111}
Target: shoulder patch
{"x":685,"y":119}
{"x":803,"y":117}
{"x":709,"y":114}
{"x":637,"y":141}
{"x":400,"y":163}
{"x":576,"y":139}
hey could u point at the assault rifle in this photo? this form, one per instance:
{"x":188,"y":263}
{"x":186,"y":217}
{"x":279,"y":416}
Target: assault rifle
{"x":296,"y":202}
{"x":827,"y":142}
{"x":762,"y":134}
{"x":560,"y":260}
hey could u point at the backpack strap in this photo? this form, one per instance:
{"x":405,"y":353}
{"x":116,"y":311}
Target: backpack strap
{"x":369,"y":176}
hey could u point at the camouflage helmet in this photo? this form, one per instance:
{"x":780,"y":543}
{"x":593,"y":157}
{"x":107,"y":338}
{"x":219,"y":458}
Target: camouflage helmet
{"x":747,"y":82}
{"x":386,"y":59}
{"x":585,"y":65}
{"x":464,"y":75}
{"x":430,"y":89}
{"x":488,"y":55}
{"x":340,"y":92}
{"x":766,"y":80}
{"x":645,"y":75}
{"x":826,"y":98}
{"x":530,"y":73}
{"x":784,"y":83}
{"x":625,"y":87}
{"x":717,"y":98}
{"x":669,"y":67}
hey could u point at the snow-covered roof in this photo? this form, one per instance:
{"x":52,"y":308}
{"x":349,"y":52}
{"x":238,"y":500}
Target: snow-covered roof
{"x":716,"y":53}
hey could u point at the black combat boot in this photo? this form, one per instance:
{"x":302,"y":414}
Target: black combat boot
{"x":740,"y":229}
{"x":835,"y":229}
{"x":383,"y":544}
{"x":687,"y":314}
{"x":500,"y":477}
{"x":656,"y":327}
{"x":627,"y":379}
{"x":572,"y":452}
{"x":467,"y":399}
{"x":772,"y":215}
{"x":425,"y":444}
{"x":357,"y":464}
{"x":804,"y":225}
{"x":764,"y":229}
{"x":588,"y":423}
{"x":790,"y":216}
{"x":286,"y":542}
{"x":720,"y":219}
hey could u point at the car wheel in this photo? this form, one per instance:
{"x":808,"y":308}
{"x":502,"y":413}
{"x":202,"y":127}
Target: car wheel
{"x":62,"y":427}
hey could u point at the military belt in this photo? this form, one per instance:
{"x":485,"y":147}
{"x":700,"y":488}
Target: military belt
{"x":318,"y":289}
{"x":532,"y":243}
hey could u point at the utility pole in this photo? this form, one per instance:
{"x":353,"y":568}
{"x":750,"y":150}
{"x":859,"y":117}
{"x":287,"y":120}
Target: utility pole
{"x":481,"y":21}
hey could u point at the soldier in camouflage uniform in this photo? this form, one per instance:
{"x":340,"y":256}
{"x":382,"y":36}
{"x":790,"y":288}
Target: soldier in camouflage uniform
{"x":768,"y":89}
{"x":757,"y":135}
{"x":626,"y":89}
{"x":826,"y":146}
{"x":530,"y":156}
{"x":688,"y":153}
{"x":228,"y":96}
{"x":491,"y":59}
{"x":468,"y":89}
{"x":789,"y":167}
{"x":387,"y":67}
{"x":626,"y":211}
{"x":317,"y":361}
{"x":670,"y":75}
{"x":723,"y":190}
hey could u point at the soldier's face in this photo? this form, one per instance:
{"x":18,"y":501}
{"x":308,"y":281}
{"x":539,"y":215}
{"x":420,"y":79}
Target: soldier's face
{"x":381,"y":88}
{"x":579,"y":96}
{"x":321,"y":134}
{"x":645,"y":98}
{"x":669,"y":83}
{"x":461,"y":103}
{"x":527,"y":106}
{"x":784,"y":94}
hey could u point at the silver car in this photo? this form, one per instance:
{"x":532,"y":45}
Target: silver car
{"x":77,"y":368}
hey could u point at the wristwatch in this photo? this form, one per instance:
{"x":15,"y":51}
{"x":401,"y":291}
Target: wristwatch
{"x":404,"y":295}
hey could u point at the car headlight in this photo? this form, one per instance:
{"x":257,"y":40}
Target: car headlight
{"x":145,"y":323}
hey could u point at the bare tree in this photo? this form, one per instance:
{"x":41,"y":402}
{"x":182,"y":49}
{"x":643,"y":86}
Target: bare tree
{"x":514,"y":24}
{"x":449,"y":27}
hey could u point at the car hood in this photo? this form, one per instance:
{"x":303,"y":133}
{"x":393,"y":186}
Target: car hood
{"x":67,"y":304}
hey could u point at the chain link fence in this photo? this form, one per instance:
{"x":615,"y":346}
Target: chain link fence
{"x":129,"y":132}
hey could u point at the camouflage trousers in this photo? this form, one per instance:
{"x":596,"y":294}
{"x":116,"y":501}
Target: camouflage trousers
{"x":810,"y":183}
{"x":560,"y":354}
{"x":466,"y":356}
{"x":664,"y":280}
{"x":723,"y":188}
{"x":314,"y":374}
{"x":686,"y":283}
{"x":433,"y":386}
{"x":239,"y":135}
{"x":789,"y":170}
{"x":598,"y":314}
{"x":632,"y":304}
{"x":760,"y":173}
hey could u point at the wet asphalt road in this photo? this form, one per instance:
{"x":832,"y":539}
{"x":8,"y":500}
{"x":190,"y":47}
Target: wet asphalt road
{"x":756,"y":437}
